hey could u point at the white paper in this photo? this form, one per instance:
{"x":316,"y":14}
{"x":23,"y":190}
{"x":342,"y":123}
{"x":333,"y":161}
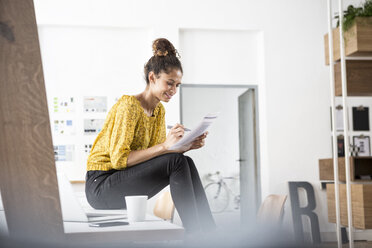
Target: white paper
{"x":363,"y":144}
{"x":96,"y":104}
{"x":63,"y":104}
{"x":93,"y":126}
{"x":196,"y":132}
{"x":339,"y":116}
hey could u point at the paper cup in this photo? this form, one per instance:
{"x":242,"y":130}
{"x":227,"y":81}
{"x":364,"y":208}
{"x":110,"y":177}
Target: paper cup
{"x":136,"y":207}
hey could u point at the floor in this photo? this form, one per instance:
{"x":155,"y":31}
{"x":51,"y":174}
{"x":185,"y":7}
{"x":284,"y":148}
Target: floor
{"x":357,"y":244}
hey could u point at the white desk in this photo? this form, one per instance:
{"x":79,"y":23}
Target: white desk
{"x":152,"y":229}
{"x":151,"y":223}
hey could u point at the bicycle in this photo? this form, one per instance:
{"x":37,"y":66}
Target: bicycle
{"x":218,"y":193}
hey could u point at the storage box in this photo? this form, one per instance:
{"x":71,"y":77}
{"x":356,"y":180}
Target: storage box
{"x":358,"y":75}
{"x":361,"y":202}
{"x":359,"y":166}
{"x":357,"y":39}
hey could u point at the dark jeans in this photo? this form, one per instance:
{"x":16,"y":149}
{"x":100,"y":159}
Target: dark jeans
{"x":106,"y":189}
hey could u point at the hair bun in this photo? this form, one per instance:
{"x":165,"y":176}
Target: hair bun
{"x":163,"y":47}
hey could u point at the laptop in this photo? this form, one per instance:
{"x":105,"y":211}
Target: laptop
{"x":72,"y":211}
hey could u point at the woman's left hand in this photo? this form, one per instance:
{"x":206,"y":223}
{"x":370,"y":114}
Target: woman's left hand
{"x":199,"y":142}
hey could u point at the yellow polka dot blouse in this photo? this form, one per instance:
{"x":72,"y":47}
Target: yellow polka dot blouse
{"x":126,"y":128}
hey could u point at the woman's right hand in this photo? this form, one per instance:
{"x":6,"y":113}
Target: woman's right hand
{"x":174,"y":135}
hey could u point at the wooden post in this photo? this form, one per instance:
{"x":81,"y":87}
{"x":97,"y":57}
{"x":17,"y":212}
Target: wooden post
{"x":28,"y":179}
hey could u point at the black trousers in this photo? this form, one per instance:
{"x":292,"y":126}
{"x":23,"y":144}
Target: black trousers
{"x":107,"y":189}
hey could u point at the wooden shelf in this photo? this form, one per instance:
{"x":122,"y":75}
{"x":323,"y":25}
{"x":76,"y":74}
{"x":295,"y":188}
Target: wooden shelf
{"x":359,"y":166}
{"x":358,"y":40}
{"x":358,"y":74}
{"x":361,"y":204}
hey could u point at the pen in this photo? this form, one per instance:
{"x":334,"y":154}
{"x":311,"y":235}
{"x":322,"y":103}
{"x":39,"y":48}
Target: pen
{"x":169,"y":127}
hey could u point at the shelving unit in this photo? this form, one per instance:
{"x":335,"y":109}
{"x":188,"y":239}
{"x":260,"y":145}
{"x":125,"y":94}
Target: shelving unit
{"x":360,"y":167}
{"x":359,"y":75}
{"x":348,"y":204}
{"x":361,"y":199}
{"x":358,"y":37}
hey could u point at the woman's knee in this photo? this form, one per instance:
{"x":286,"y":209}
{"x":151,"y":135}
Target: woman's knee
{"x":190,"y":163}
{"x":188,"y":159}
{"x":175,"y":157}
{"x":176,"y":160}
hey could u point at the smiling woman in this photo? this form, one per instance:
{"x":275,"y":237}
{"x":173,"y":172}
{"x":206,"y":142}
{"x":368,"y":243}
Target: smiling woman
{"x":131,"y":154}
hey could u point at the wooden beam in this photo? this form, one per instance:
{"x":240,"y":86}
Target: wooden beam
{"x":28,"y":179}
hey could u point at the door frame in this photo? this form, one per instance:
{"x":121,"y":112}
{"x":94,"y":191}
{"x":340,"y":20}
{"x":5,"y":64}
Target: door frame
{"x":257,"y":129}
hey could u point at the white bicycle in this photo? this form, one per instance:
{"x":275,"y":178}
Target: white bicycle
{"x":218,"y":193}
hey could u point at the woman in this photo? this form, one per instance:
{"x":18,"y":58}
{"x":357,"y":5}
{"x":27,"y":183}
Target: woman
{"x":131,"y":155}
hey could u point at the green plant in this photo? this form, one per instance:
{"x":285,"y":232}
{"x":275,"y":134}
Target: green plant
{"x":352,"y":12}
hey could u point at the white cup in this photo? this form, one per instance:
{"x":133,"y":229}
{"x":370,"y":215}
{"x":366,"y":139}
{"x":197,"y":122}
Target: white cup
{"x":136,"y":207}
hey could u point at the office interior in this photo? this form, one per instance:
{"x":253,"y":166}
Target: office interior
{"x":260,"y":64}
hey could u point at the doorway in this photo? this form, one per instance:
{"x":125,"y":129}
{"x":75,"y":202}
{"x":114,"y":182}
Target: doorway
{"x":232,"y":146}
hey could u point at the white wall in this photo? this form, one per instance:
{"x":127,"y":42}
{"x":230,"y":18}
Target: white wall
{"x":80,"y":61}
{"x":235,"y":56}
{"x":291,"y":75}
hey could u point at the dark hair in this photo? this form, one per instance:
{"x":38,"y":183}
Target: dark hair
{"x":165,"y":58}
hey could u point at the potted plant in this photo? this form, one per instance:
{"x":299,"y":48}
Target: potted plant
{"x":357,"y":27}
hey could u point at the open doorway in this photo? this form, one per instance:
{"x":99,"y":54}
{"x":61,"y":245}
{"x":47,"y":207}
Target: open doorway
{"x":232,"y":148}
